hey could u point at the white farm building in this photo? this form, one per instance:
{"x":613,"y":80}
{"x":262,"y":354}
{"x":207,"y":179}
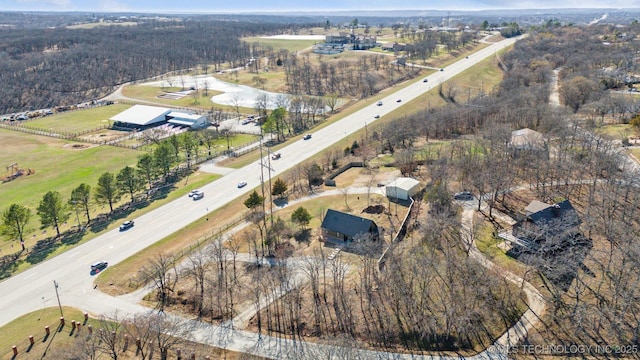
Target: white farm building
{"x":145,"y":116}
{"x":402,"y":188}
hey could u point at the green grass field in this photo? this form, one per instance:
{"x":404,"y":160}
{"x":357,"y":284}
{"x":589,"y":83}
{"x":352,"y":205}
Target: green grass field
{"x":278,"y":44}
{"x":57,"y":165}
{"x":274,"y":79}
{"x":195,"y":180}
{"x":635,"y":152}
{"x":78,"y":120}
{"x":18,"y":331}
{"x":617,"y":131}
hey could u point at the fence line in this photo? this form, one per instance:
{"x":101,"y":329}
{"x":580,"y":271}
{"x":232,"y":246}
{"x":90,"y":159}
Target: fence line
{"x":56,"y":134}
{"x":217,"y":232}
{"x":399,"y":235}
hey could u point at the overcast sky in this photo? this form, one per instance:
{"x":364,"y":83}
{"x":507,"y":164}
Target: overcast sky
{"x":218,"y":6}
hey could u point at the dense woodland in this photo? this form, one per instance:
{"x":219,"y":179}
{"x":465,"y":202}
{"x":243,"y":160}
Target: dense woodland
{"x":43,"y":68}
{"x":592,"y":288}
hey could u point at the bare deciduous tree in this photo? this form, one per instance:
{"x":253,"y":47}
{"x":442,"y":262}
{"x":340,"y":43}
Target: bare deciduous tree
{"x":162,"y":272}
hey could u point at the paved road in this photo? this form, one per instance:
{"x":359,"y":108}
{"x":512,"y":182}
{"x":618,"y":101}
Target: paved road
{"x":34,"y":288}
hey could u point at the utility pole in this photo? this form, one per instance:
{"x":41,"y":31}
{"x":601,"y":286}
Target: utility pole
{"x":268,"y":166}
{"x":270,"y":186}
{"x":366,"y":132}
{"x":55,"y":285}
{"x":264,"y":211}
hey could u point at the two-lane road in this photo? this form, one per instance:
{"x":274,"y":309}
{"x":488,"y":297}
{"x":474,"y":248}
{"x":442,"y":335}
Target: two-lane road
{"x":34,"y":288}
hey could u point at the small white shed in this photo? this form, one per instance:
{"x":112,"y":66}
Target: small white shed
{"x":402,"y":188}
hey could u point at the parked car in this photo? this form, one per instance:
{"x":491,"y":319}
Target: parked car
{"x":441,"y":69}
{"x":379,"y":103}
{"x":276,"y":156}
{"x":99,"y":266}
{"x":242,"y":184}
{"x":126,"y":225}
{"x":198,"y":195}
{"x":246,"y":121}
{"x":463,"y":195}
{"x":306,"y":137}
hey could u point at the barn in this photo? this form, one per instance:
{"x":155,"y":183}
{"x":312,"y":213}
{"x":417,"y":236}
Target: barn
{"x":140,"y":116}
{"x":145,"y":116}
{"x":402,"y":188}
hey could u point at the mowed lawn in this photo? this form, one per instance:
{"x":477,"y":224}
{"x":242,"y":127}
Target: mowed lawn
{"x":57,"y":165}
{"x":198,"y":100}
{"x":17,"y":332}
{"x":278,"y":44}
{"x":78,"y":120}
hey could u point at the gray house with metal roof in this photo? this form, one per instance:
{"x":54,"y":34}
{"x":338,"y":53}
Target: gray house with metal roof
{"x":338,"y":226}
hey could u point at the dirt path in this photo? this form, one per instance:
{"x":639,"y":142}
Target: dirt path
{"x":535,"y":301}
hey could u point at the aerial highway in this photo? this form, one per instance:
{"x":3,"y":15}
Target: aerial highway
{"x":34,"y":289}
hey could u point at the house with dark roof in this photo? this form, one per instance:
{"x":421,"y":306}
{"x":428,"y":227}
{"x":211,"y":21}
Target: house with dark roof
{"x":341,"y":227}
{"x":543,"y":222}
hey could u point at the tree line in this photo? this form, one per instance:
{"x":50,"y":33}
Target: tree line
{"x":151,"y":171}
{"x":360,"y":79}
{"x":62,"y":66}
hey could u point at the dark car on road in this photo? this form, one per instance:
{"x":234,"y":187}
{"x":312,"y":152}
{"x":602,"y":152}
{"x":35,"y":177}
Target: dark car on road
{"x":463,"y":195}
{"x":99,"y":266}
{"x":307,"y":136}
{"x":126,"y":225}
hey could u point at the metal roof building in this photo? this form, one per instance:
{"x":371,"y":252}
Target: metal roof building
{"x":145,"y":115}
{"x":186,"y":119}
{"x":402,"y":188}
{"x":142,"y":115}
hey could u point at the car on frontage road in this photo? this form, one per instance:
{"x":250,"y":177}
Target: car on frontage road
{"x":126,"y":225}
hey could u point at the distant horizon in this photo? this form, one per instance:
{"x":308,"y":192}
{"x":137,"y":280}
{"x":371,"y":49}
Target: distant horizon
{"x":292,"y":6}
